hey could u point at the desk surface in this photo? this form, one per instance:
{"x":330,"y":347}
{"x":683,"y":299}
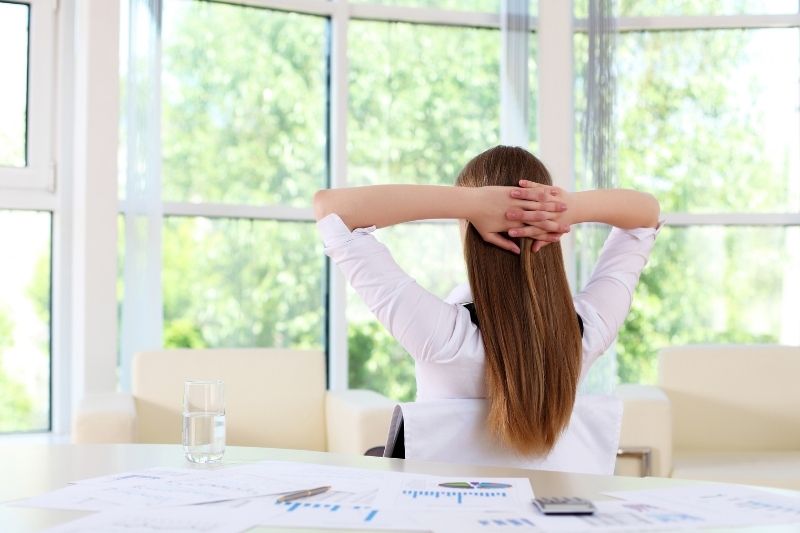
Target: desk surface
{"x":30,"y":469}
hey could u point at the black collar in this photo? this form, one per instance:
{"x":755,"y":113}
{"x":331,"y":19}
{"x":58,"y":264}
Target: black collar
{"x":473,"y":315}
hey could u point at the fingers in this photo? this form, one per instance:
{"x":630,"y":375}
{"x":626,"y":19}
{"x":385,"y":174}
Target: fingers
{"x":501,"y":242}
{"x":552,"y":190}
{"x":540,"y":229}
{"x":531,"y":216}
{"x":539,"y":199}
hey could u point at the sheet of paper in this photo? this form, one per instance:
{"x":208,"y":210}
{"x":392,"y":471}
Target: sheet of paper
{"x":427,"y":493}
{"x":610,"y":516}
{"x":727,"y":504}
{"x":174,"y":520}
{"x":161,"y":489}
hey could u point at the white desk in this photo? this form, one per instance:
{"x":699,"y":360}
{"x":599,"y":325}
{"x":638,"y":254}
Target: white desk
{"x":30,"y":469}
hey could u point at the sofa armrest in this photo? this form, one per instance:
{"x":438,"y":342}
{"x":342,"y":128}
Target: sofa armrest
{"x":105,"y":418}
{"x":357,"y":420}
{"x":646,"y":424}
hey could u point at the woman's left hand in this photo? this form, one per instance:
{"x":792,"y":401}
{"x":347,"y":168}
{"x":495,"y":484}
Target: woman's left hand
{"x":542,"y":226}
{"x":510,"y":210}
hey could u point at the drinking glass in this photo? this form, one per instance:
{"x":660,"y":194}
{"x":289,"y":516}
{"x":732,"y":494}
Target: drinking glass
{"x":203,"y":421}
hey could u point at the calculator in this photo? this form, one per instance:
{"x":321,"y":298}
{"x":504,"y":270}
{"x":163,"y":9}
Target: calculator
{"x":567,"y":505}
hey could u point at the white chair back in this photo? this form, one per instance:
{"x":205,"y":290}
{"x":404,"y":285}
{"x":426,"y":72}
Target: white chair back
{"x":455,"y":431}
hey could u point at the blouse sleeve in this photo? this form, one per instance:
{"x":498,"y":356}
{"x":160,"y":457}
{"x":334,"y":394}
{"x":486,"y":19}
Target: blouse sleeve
{"x":605,"y":300}
{"x":426,"y":326}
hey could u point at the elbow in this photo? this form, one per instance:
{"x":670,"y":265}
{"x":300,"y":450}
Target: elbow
{"x":655,"y":210}
{"x":322,"y":203}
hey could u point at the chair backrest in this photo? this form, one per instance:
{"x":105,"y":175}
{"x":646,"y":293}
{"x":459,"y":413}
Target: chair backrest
{"x":273,"y":397}
{"x":455,"y":431}
{"x":733,"y":397}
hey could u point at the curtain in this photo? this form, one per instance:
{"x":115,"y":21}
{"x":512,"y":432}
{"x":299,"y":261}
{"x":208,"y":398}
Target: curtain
{"x":142,"y":309}
{"x":598,"y":156}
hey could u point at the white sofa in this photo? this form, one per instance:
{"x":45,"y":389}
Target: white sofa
{"x":275,"y":398}
{"x":728,"y":413}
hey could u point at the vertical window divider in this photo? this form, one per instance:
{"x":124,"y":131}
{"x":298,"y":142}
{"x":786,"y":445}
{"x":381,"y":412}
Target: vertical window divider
{"x":338,"y":362}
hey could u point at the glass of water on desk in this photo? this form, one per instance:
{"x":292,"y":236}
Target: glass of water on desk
{"x":203,"y":421}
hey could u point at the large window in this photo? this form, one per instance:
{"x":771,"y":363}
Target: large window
{"x":26,"y":207}
{"x":707,"y":120}
{"x":14,"y":89}
{"x":415,"y":116}
{"x":249,"y":105}
{"x":25,"y":322}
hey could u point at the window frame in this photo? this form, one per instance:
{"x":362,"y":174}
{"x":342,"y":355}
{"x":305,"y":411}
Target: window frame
{"x":33,"y":187}
{"x":339,"y":14}
{"x":39,"y":173}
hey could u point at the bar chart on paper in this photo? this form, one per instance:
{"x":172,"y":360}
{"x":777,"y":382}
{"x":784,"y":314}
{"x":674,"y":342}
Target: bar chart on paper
{"x":458,"y":497}
{"x":427,"y":494}
{"x":361,"y":513}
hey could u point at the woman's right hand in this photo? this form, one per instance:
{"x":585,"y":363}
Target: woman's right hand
{"x":540,"y":223}
{"x":512,"y":210}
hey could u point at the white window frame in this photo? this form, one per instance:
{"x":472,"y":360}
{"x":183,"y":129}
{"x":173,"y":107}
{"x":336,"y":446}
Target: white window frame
{"x":555,"y":26}
{"x":39,"y":173}
{"x":713,"y":22}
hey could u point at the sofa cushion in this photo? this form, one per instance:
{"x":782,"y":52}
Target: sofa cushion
{"x":273,"y":397}
{"x":769,"y":469}
{"x":734,"y":398}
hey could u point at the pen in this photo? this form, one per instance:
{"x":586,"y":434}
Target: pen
{"x":302,"y":494}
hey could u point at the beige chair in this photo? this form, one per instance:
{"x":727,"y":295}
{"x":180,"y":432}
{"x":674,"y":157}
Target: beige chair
{"x":720,"y":413}
{"x":274,"y":398}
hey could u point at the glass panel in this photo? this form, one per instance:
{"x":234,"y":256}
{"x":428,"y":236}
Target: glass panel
{"x":461,"y":5}
{"x":712,"y":285}
{"x":533,"y":87}
{"x":416,"y":115}
{"x":14,"y":88}
{"x":25,"y":322}
{"x":708,"y":120}
{"x":652,"y":8}
{"x":242,"y":283}
{"x":244,"y":104}
{"x":377,"y":361}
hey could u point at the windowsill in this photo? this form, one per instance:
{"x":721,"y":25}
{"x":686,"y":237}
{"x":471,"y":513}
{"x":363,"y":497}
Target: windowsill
{"x":34,"y":438}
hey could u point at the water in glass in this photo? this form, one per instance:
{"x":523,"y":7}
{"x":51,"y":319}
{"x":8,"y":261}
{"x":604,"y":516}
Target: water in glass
{"x":203,"y":436}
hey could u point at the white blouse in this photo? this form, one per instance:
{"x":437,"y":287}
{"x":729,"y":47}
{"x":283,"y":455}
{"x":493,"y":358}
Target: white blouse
{"x":439,"y":334}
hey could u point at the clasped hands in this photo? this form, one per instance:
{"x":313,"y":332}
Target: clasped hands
{"x":531,"y":210}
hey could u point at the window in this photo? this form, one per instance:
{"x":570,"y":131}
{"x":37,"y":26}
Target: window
{"x":248,"y":99}
{"x":25,"y":322}
{"x":26,"y":212}
{"x":243,"y":149}
{"x":14,"y":89}
{"x":415,"y":116}
{"x":707,"y":120}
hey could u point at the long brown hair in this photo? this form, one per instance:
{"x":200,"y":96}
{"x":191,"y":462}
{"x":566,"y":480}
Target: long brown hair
{"x":528,"y":323}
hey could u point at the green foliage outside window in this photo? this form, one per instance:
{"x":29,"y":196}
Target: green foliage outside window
{"x":243,"y":115}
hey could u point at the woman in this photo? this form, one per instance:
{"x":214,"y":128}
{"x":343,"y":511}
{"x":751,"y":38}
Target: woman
{"x":521,"y":341}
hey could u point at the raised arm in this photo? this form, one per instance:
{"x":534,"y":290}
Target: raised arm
{"x":484,"y":207}
{"x":622,"y":208}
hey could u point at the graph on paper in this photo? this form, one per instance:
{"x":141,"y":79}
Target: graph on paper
{"x":459,"y":497}
{"x":363,"y":513}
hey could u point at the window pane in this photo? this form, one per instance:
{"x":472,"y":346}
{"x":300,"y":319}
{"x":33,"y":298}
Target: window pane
{"x":377,"y":361}
{"x":712,"y":284}
{"x":461,"y":5}
{"x":651,"y":8}
{"x":416,"y":115}
{"x":14,"y":88}
{"x":708,"y":120}
{"x":25,"y":322}
{"x":242,"y":283}
{"x":244,"y":104}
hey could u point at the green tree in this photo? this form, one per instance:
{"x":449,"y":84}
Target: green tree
{"x":16,"y":405}
{"x":687,"y":131}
